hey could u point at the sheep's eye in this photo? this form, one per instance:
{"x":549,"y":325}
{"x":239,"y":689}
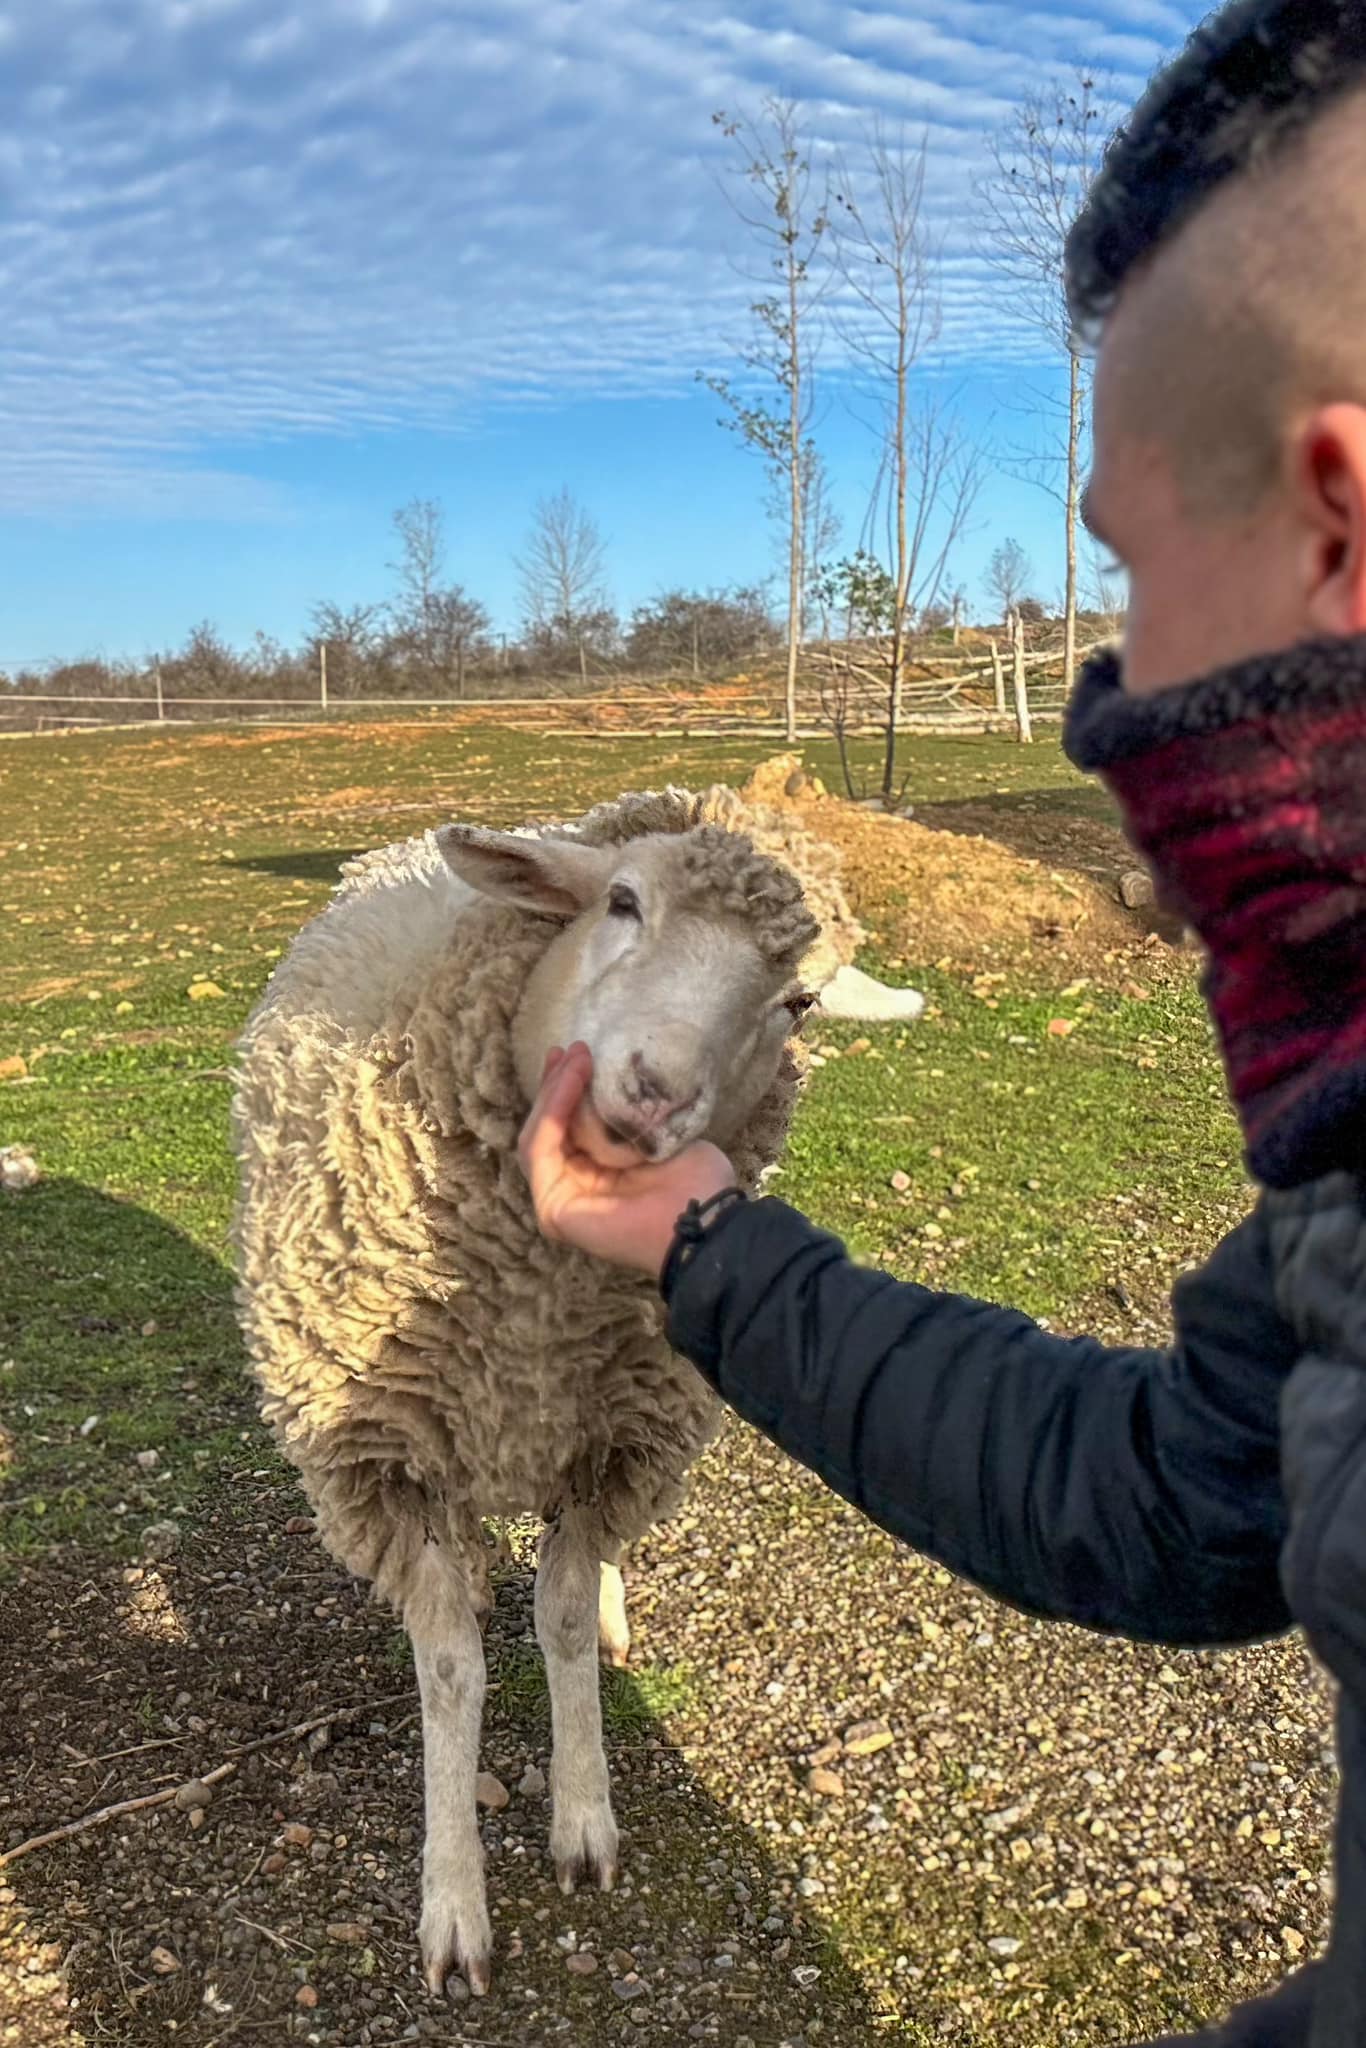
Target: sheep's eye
{"x":798,"y":1006}
{"x":623,"y":902}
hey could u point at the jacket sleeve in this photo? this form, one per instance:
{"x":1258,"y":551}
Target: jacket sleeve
{"x":1128,"y":1490}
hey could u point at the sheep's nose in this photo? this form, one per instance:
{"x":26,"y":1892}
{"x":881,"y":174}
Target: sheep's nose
{"x":654,"y":1096}
{"x":647,"y":1086}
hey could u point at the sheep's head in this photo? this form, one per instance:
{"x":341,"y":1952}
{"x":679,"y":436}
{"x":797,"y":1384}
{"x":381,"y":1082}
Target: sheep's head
{"x":676,"y":963}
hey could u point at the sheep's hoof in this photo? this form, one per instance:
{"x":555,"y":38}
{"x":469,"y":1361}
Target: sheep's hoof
{"x":584,"y":1846}
{"x":445,"y":1955}
{"x":572,"y":1871}
{"x":618,"y":1655}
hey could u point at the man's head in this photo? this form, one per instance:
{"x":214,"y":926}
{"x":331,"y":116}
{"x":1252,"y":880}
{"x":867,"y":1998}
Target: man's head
{"x":1220,"y":265}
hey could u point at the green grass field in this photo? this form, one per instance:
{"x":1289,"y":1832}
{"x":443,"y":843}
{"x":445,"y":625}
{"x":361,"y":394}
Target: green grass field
{"x":146,"y":886}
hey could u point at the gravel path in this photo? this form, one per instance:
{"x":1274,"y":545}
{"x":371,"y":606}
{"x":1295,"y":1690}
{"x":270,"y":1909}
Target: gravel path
{"x":1032,"y":1836}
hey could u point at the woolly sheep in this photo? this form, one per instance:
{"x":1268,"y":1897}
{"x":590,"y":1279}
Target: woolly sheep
{"x":424,"y":1357}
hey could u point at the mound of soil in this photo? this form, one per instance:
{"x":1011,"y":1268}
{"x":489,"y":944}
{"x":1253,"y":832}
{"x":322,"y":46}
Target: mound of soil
{"x":962,"y":900}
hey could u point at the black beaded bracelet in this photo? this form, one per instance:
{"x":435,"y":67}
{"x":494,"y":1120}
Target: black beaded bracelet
{"x":692,"y":1227}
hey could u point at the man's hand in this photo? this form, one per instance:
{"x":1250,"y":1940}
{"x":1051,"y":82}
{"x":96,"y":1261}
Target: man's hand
{"x":625,"y":1214}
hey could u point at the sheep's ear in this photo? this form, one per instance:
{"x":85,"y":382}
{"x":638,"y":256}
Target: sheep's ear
{"x":551,"y":876}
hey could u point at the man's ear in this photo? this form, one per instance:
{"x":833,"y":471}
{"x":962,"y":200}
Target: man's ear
{"x":554,"y":877}
{"x":1332,"y":496}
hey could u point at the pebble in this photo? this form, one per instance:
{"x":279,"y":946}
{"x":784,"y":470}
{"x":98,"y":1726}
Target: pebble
{"x":306,"y":1996}
{"x":296,"y":1834}
{"x":195,"y":1793}
{"x":531,"y":1784}
{"x":274,"y":1863}
{"x":900,"y":1182}
{"x":349,"y":1931}
{"x":160,"y":1539}
{"x":866,"y":1738}
{"x":629,"y":1987}
{"x":490,"y":1792}
{"x":1004,"y":1945}
{"x":583,"y":1964}
{"x":805,"y":1975}
{"x":163,"y":1962}
{"x":147,"y":1461}
{"x":1136,"y":889}
{"x":621,"y":1962}
{"x":299,"y":1525}
{"x":826,"y":1784}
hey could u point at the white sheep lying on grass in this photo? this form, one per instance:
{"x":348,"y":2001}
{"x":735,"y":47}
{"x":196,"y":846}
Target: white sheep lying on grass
{"x":425,"y":1358}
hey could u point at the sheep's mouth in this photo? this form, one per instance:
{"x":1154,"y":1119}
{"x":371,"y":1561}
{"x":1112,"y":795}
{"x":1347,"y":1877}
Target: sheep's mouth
{"x":608,"y":1142}
{"x":610,"y":1135}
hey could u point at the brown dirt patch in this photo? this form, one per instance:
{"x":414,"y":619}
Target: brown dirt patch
{"x":119,"y":1681}
{"x":933,"y":895}
{"x":54,"y":985}
{"x":1043,"y":825}
{"x":265,"y":737}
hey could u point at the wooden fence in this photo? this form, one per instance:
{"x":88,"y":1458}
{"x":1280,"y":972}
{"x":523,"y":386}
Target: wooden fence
{"x":940,"y":694}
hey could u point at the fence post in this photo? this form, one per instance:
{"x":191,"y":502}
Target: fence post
{"x":161,"y":701}
{"x":322,"y":674}
{"x":998,"y":677}
{"x":1026,"y":730}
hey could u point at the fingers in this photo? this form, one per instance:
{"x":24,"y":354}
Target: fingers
{"x":545,"y":1135}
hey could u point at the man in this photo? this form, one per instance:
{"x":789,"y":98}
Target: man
{"x":1216,"y":1492}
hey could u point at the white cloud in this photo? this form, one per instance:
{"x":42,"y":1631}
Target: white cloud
{"x":223,"y":223}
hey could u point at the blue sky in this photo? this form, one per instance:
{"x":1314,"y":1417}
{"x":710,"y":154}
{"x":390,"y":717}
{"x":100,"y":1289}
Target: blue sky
{"x":270,"y":269}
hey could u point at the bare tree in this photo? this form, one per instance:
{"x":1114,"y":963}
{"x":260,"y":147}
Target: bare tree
{"x":942,"y":471}
{"x":1043,"y":164}
{"x":1008,"y":574}
{"x":563,"y":570}
{"x":1107,"y":597}
{"x":884,"y":258}
{"x":438,"y":626}
{"x":351,"y":634}
{"x":421,"y":529}
{"x":821,"y":524}
{"x":784,"y":209}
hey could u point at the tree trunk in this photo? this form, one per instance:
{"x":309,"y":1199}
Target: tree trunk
{"x":1069,"y":659}
{"x":583,"y":663}
{"x":903,"y":575}
{"x":1023,"y":726}
{"x":459,"y":668}
{"x":322,"y":674}
{"x":998,"y":677}
{"x":794,"y":460}
{"x":696,"y":653}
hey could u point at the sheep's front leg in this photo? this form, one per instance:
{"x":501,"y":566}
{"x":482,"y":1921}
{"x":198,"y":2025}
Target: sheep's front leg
{"x":583,"y":1833}
{"x":449,"y":1652}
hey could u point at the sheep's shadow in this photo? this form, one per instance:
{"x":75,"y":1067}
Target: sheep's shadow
{"x":299,"y":863}
{"x":288,"y":1902}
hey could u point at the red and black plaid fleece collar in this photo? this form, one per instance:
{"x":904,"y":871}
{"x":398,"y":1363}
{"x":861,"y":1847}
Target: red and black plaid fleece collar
{"x":1246,"y":791}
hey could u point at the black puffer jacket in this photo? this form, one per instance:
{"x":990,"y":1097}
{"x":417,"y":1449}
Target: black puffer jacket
{"x":1209,"y":1494}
